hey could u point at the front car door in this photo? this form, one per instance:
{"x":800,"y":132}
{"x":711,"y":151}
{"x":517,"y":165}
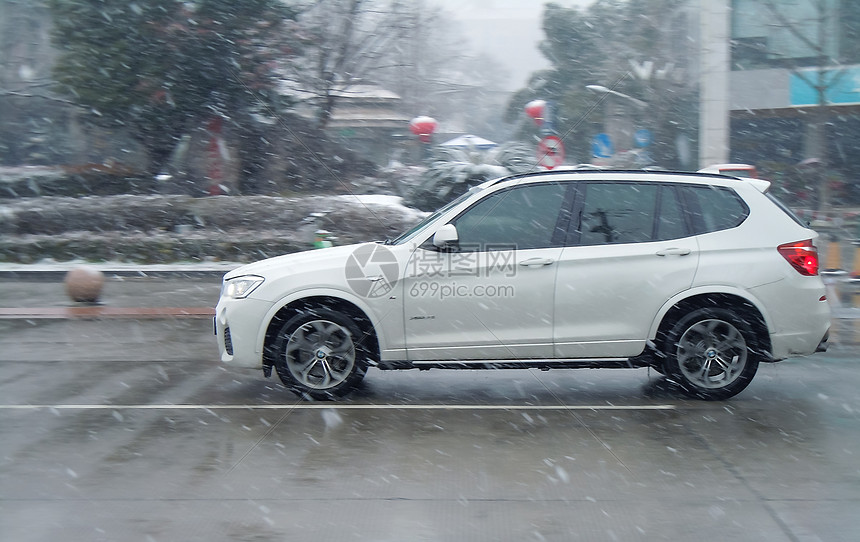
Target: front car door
{"x":491,"y":296}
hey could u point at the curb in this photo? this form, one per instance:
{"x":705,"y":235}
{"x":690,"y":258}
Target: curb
{"x":98,"y":313}
{"x":57,"y":272}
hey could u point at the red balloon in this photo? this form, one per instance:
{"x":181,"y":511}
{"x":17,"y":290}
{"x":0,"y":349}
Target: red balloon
{"x":535,"y":110}
{"x":423,"y":127}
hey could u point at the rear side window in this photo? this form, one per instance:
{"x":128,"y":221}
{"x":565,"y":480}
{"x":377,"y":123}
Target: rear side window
{"x":617,"y":212}
{"x":670,"y":216}
{"x":714,"y":208}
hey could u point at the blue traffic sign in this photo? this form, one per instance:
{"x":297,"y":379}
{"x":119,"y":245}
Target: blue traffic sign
{"x":643,"y":137}
{"x":601,"y":146}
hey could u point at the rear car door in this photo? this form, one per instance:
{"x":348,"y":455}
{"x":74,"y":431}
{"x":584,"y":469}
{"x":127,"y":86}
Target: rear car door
{"x":630,"y":250}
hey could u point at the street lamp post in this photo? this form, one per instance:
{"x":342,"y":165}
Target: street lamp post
{"x":618,"y":127}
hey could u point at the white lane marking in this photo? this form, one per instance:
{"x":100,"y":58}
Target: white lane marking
{"x":319,"y":406}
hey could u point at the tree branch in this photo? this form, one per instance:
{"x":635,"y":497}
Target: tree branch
{"x":49,"y":98}
{"x":792,"y":28}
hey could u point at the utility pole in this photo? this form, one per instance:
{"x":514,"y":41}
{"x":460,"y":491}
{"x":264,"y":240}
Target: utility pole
{"x":714,"y":54}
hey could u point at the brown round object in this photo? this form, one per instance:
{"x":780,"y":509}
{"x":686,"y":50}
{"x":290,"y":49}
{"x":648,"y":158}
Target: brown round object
{"x":84,"y":284}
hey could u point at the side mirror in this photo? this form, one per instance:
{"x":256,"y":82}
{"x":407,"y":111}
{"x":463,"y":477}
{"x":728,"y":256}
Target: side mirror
{"x":446,"y":236}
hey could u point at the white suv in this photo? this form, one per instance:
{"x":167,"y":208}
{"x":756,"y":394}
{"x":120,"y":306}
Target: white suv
{"x":699,"y":276}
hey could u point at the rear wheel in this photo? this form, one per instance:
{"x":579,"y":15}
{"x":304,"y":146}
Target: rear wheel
{"x":320,"y":355}
{"x":711,"y":353}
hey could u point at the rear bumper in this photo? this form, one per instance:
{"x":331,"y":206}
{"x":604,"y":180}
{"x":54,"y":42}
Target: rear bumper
{"x":799,"y":317}
{"x":822,"y":346}
{"x":801,"y":342}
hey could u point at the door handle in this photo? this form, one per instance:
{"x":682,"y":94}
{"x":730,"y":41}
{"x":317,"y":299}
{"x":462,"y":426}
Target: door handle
{"x":537,"y":262}
{"x":674,"y":252}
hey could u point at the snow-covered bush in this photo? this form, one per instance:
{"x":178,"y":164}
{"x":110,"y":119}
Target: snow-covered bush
{"x":453,"y":171}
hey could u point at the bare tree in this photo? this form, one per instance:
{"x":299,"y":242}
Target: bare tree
{"x":426,"y":60}
{"x":816,"y":35}
{"x":410,"y":48}
{"x":28,"y":108}
{"x":343,"y":42}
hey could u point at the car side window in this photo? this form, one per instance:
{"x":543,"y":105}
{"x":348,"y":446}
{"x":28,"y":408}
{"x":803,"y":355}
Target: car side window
{"x":615,"y":213}
{"x":714,"y":208}
{"x":671,"y":223}
{"x":522,"y":217}
{"x":618,"y":213}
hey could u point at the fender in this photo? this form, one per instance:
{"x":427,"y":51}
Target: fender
{"x":344,"y":295}
{"x":706,"y":290}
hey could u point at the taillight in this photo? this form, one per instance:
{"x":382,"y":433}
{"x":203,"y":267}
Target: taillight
{"x":802,"y":255}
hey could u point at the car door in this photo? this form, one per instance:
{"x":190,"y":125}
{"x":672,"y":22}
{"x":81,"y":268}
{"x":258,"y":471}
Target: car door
{"x":631,"y":250}
{"x":491,"y":296}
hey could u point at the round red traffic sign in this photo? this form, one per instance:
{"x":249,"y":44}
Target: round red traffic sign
{"x":550,"y":152}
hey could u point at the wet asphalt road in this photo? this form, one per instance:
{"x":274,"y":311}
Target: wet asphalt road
{"x":125,"y":430}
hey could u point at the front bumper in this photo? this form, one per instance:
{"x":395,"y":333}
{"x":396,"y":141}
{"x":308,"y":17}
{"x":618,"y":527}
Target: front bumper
{"x":240,"y":326}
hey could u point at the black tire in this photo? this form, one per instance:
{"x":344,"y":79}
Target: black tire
{"x":320,"y":355}
{"x":711,"y":353}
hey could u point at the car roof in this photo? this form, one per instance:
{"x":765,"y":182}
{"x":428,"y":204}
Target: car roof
{"x":637,"y":175}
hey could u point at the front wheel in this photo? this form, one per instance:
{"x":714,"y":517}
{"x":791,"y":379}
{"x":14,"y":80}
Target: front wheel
{"x":320,"y":355}
{"x":711,"y":353}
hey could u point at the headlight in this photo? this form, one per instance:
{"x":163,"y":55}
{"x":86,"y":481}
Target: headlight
{"x":240,"y":287}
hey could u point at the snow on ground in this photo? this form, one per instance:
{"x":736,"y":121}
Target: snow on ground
{"x":10,"y":174}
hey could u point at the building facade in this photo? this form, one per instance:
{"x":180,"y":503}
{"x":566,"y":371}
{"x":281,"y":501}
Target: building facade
{"x":791,"y":98}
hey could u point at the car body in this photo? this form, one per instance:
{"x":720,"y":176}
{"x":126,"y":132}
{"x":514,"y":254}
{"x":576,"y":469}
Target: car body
{"x":700,"y":276}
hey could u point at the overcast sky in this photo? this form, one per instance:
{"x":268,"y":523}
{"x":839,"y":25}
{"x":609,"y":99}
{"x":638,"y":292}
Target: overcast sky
{"x":508,"y":30}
